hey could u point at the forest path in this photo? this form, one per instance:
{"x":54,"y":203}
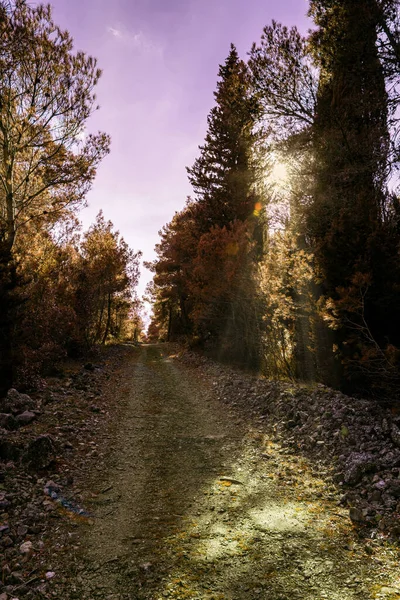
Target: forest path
{"x":197,"y":504}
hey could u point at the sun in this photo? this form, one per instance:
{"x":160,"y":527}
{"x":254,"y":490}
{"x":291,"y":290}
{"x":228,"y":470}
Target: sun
{"x":279,"y":174}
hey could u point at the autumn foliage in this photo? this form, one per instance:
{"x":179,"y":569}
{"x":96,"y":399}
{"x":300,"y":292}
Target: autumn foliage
{"x":60,"y":292}
{"x":75,"y":291}
{"x":204,"y":285}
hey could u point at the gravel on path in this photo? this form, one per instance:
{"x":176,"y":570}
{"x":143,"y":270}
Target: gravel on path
{"x":195,"y":501}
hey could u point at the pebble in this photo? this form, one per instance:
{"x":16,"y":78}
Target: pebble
{"x":26,"y":548}
{"x":26,"y":417}
{"x":50,"y":575}
{"x":3,"y":530}
{"x":22,"y":530}
{"x":388,"y":590}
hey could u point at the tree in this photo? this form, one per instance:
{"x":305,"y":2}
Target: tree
{"x":173,"y":271}
{"x":389,"y":39}
{"x":285,"y":276}
{"x":351,"y":149}
{"x":331,"y":100}
{"x":77,"y":292}
{"x":225,"y":307}
{"x":44,"y":320}
{"x":228,"y":180}
{"x":227,"y":175}
{"x":204,"y":273}
{"x":46,"y":97}
{"x":108,"y":272}
{"x":285,"y":79}
{"x":204,"y":286}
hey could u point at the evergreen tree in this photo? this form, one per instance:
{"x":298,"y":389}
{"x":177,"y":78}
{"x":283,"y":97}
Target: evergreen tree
{"x":227,"y":180}
{"x":351,"y":148}
{"x":204,"y":271}
{"x":170,"y":290}
{"x":225,"y":175}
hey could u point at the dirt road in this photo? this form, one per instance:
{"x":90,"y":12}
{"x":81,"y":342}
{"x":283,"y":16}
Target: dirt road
{"x":198,"y":504}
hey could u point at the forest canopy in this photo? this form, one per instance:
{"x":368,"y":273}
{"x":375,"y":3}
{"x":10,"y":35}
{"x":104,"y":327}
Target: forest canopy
{"x":298,"y":274}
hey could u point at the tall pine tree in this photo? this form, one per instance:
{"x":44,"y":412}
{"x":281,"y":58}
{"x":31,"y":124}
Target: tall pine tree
{"x":225,"y":175}
{"x":227,"y":180}
{"x":346,"y":219}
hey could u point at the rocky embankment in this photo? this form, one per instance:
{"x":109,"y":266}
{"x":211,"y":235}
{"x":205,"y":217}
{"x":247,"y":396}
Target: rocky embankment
{"x":49,"y":440}
{"x":357,"y":440}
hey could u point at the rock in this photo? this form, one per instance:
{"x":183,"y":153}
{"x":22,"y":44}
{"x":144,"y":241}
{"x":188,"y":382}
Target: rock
{"x":394,"y":488}
{"x":4,"y":529}
{"x":380,"y":484}
{"x":26,"y":417}
{"x":4,"y":504}
{"x":16,"y":578}
{"x":8,"y":449}
{"x":395,"y":435}
{"x":357,"y":464}
{"x":50,"y":575}
{"x":376,"y":496}
{"x":5,"y":571}
{"x":26,"y":548}
{"x":388,"y":590}
{"x":368,"y":549}
{"x":356,"y":515}
{"x":391,"y":459}
{"x":8,"y":421}
{"x":396,"y":531}
{"x":41,"y":452}
{"x":7,"y":541}
{"x":22,"y":530}
{"x":51,"y":489}
{"x":16,"y":403}
{"x":89,"y":366}
{"x":35,"y":529}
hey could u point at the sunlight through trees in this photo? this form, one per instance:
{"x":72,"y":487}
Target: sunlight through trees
{"x":321,"y":274}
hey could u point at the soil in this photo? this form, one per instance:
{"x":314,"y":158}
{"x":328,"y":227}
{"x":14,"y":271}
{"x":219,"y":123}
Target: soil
{"x":175,"y":490}
{"x":199,"y":502}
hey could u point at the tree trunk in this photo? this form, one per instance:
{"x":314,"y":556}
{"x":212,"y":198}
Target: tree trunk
{"x":100,"y":321}
{"x":7,"y":285}
{"x":169,"y":323}
{"x":108,"y":320}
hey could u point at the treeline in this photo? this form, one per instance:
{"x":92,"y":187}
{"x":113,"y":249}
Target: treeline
{"x":61,"y":291}
{"x":297,"y":274}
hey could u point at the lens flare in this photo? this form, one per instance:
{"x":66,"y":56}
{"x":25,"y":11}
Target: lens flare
{"x":257,"y":209}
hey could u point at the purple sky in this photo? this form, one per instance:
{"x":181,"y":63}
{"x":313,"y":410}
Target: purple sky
{"x":160,"y":62}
